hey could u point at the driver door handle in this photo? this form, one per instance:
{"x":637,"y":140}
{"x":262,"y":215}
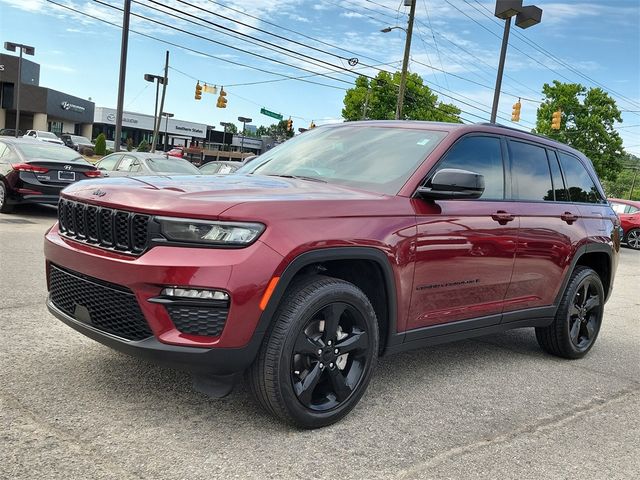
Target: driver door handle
{"x":568,"y":217}
{"x":502,"y":217}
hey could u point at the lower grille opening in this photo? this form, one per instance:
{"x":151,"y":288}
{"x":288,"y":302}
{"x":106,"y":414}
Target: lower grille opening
{"x":206,"y":321}
{"x":107,"y":307}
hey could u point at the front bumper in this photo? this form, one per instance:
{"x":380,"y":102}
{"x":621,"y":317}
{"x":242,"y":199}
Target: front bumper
{"x":215,"y":361}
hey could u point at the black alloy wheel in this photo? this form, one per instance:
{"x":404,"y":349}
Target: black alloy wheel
{"x":329,"y":356}
{"x":578,"y":318}
{"x":633,"y":239}
{"x":585,"y":314}
{"x":319,"y":354}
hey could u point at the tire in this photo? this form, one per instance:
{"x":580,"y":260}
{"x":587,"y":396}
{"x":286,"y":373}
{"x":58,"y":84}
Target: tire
{"x":5,"y":207}
{"x":298,"y":376}
{"x":578,"y":319}
{"x":632,"y":238}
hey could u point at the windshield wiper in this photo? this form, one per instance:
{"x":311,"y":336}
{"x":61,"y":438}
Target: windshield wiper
{"x":299,"y":177}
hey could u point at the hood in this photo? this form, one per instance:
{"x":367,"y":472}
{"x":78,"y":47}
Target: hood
{"x":206,"y":196}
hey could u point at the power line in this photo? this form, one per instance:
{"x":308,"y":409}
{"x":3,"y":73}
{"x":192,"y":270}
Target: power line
{"x":426,"y":9}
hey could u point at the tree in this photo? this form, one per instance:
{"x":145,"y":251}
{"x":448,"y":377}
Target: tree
{"x":232,"y":128}
{"x":587,"y":124}
{"x":277,"y":130}
{"x":101,"y":145}
{"x":376,"y":99}
{"x":143,"y":146}
{"x":621,"y":187}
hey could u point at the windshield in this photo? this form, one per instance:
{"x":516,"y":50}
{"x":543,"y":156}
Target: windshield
{"x":46,"y":135}
{"x":41,"y":150}
{"x":171,"y":165}
{"x":375,"y":158}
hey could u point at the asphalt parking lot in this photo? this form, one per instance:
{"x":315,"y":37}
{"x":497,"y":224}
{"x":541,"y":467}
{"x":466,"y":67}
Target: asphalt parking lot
{"x":493,"y":407}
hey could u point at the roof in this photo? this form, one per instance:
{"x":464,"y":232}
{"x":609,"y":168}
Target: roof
{"x":20,"y":140}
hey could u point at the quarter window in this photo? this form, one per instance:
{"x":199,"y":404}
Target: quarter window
{"x":556,"y":175}
{"x":481,"y":155}
{"x":579,"y":183}
{"x":530,"y":172}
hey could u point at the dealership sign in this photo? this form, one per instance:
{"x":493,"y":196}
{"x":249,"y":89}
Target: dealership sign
{"x":145,"y":122}
{"x":72,"y":107}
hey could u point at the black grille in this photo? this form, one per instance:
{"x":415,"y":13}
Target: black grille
{"x":105,"y":227}
{"x":105,"y":306}
{"x":206,"y":321}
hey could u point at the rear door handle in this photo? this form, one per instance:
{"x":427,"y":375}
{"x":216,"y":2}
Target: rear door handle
{"x":502,"y":217}
{"x":568,"y":217}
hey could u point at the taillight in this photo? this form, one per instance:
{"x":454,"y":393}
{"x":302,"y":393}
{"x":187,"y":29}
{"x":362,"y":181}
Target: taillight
{"x":92,"y":173}
{"x":25,"y":167}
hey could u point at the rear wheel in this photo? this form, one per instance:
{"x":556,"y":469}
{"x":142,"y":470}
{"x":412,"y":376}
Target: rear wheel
{"x":318,"y":358}
{"x":578,"y":319}
{"x":5,"y":207}
{"x":633,"y":238}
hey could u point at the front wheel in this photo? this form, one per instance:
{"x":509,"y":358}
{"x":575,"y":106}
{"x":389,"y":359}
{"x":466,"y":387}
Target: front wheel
{"x":633,"y":238}
{"x":578,"y":319}
{"x":319,"y":356}
{"x":5,"y":207}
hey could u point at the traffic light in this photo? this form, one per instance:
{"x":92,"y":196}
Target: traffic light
{"x":313,"y":125}
{"x":555,"y":119}
{"x":515,"y":113}
{"x":222,"y":101}
{"x":289,"y":125}
{"x":198,"y":94}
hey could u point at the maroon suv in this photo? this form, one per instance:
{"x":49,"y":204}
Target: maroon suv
{"x":345,"y":243}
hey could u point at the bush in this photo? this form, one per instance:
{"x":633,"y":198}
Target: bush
{"x":109,"y":151}
{"x":101,"y":145}
{"x":87,"y":152}
{"x":129,"y":144}
{"x":144,"y":146}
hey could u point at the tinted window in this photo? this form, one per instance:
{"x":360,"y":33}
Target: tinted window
{"x":558,"y":182}
{"x":581,"y":187}
{"x":481,"y":155}
{"x":530,"y":172}
{"x":48,"y":151}
{"x":109,"y":162}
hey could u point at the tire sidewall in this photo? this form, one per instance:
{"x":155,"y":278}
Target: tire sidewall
{"x":324,"y":296}
{"x":564,"y":311}
{"x":637,"y":231}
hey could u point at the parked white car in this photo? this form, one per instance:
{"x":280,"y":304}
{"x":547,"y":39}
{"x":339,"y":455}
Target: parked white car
{"x":43,"y":136}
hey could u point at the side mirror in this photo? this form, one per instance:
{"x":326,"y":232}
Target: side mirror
{"x":451,"y":184}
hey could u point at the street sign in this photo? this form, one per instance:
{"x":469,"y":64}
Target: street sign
{"x":269,"y":113}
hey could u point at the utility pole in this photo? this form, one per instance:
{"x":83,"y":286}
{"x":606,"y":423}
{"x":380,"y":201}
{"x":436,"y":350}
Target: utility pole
{"x":123,"y":73}
{"x":405,"y":61}
{"x":633,"y":184}
{"x":156,"y":127}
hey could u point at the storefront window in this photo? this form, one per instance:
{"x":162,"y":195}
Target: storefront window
{"x":55,"y":127}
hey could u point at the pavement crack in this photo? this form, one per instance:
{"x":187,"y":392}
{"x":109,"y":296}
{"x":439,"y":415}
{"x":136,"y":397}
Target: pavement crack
{"x":542,"y":425}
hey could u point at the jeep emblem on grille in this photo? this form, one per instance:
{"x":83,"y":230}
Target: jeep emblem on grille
{"x":99,"y":193}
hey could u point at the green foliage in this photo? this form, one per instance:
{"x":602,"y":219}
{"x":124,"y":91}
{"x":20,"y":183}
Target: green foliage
{"x":232,"y":128}
{"x":376,"y":100}
{"x":621,"y":186}
{"x":277,"y":130}
{"x":587,"y":124}
{"x":101,"y":145}
{"x":143,"y":146}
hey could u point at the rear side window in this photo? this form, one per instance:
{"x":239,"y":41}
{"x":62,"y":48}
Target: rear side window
{"x":579,"y":183}
{"x":481,"y":155}
{"x":530,"y":172}
{"x":109,"y":162}
{"x":559,"y":187}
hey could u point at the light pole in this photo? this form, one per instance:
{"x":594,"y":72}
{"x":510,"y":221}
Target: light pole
{"x":124,"y":46}
{"x":158,"y":81}
{"x":525,"y":17}
{"x":167,"y":116}
{"x":405,"y":60}
{"x":27,"y":50}
{"x":244,"y":121}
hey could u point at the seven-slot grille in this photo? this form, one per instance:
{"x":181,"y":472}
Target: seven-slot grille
{"x":104,"y":227}
{"x":105,"y":306}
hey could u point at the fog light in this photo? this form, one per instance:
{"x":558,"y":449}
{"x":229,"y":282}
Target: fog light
{"x":195,"y":293}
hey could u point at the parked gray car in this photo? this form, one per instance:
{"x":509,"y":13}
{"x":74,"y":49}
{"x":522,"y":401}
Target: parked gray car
{"x":124,"y":164}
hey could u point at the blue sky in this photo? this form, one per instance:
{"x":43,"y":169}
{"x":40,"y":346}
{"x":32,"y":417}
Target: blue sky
{"x":80,"y":56}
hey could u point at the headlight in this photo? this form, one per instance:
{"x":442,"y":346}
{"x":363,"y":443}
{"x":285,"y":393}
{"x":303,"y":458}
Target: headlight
{"x":209,"y":232}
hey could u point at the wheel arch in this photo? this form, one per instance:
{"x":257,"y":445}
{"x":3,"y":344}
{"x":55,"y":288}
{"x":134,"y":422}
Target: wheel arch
{"x":597,"y":256}
{"x":366,"y":267}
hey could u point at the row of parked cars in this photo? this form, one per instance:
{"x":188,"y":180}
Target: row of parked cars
{"x":33,"y":171}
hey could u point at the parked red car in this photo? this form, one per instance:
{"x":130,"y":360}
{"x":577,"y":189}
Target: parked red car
{"x":629,"y":213}
{"x":176,"y":152}
{"x":347,"y":242}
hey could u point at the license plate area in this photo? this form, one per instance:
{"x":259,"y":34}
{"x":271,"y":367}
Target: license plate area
{"x":66,"y":176}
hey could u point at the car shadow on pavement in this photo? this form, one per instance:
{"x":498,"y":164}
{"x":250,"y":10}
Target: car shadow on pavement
{"x":35,"y":211}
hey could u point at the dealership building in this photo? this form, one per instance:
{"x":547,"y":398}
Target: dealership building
{"x":41,"y":108}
